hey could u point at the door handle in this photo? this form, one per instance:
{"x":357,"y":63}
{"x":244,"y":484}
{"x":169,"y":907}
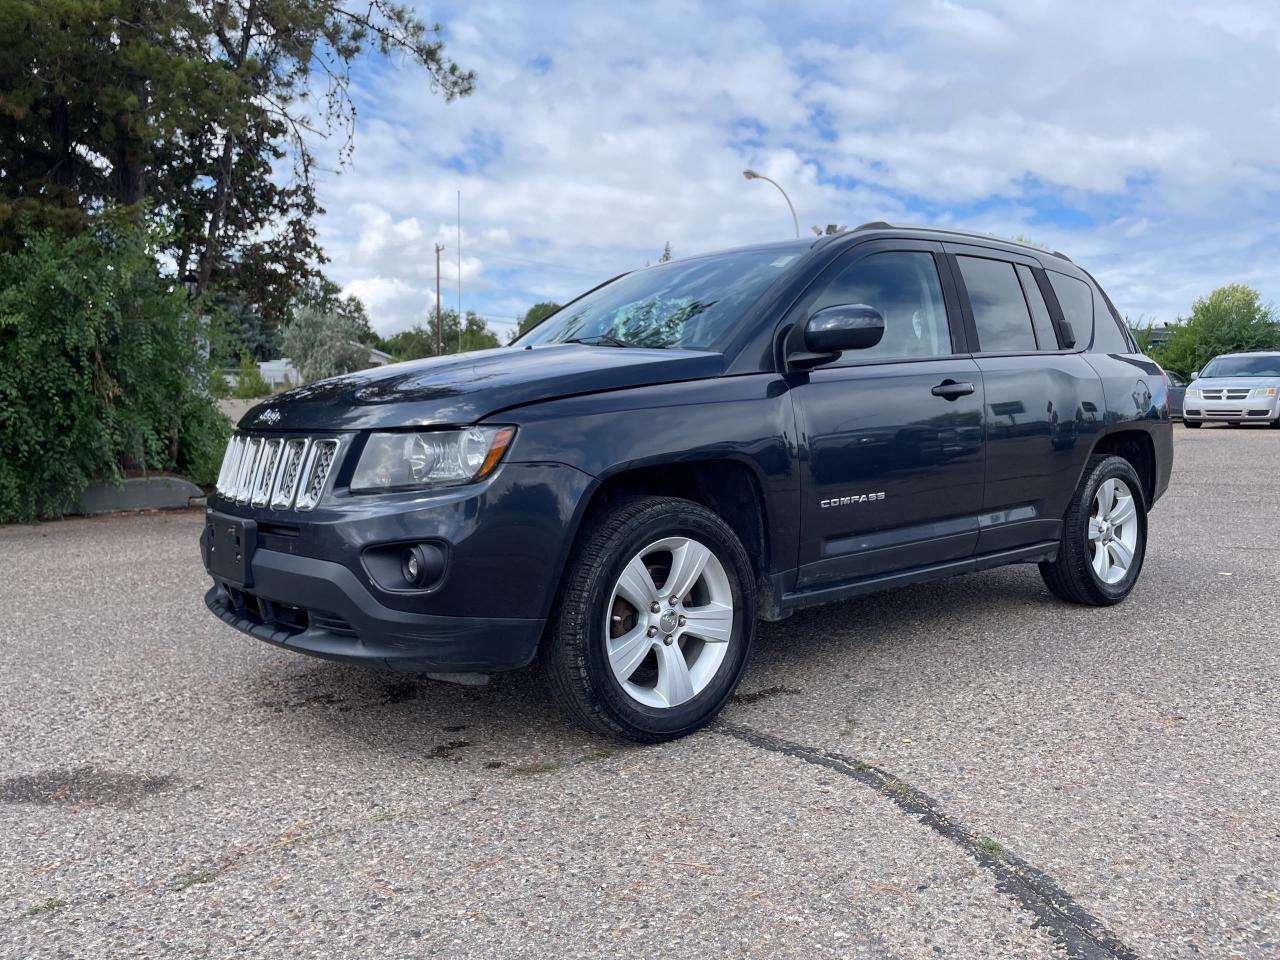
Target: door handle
{"x":950,"y":390}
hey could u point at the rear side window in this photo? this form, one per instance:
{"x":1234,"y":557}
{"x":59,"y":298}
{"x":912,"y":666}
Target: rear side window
{"x":1076,"y":300}
{"x":999,"y":308}
{"x":1107,"y":335}
{"x":1046,"y":336}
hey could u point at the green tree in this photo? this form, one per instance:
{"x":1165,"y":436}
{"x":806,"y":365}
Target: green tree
{"x":101,"y":368}
{"x":666,"y":252}
{"x":249,"y":382}
{"x":323,"y":344}
{"x":534,"y":316}
{"x":193,"y":107}
{"x":1230,"y":319}
{"x":420,"y":341}
{"x":325,"y":295}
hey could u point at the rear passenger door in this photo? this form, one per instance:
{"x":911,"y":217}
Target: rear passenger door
{"x":1044,"y":402}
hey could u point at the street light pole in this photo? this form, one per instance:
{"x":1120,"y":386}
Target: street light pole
{"x":752,"y":175}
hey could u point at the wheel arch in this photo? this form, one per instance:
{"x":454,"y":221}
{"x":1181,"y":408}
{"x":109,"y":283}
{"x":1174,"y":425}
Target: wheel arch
{"x":1138,"y":448}
{"x":727,"y":486}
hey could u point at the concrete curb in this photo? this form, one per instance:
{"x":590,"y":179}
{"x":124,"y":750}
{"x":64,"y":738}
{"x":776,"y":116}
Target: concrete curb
{"x":138,"y":493}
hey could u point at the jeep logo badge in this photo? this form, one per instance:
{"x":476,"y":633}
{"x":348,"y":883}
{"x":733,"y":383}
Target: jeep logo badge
{"x":269,"y":416}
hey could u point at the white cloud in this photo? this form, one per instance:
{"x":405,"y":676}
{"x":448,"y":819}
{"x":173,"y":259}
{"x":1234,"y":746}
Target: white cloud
{"x":1140,"y":140}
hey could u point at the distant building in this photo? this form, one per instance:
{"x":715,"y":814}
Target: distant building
{"x":282,"y":374}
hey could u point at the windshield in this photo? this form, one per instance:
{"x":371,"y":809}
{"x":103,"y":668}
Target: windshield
{"x":686,"y":303}
{"x":1258,"y":366}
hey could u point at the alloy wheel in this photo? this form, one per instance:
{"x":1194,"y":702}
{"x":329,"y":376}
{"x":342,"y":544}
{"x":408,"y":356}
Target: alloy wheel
{"x":1113,"y":530}
{"x":669,"y":622}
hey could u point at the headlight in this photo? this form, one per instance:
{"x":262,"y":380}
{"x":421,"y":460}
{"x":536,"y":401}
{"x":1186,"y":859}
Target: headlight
{"x":1193,"y":394}
{"x":1263,"y":392}
{"x":430,"y":458}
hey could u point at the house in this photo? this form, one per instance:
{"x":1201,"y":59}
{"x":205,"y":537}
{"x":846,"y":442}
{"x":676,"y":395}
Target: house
{"x":281,"y":374}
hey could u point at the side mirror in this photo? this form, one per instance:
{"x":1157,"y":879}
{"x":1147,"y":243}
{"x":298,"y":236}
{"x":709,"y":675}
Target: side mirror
{"x":832,"y":330}
{"x":1068,"y":335}
{"x":1195,"y":374}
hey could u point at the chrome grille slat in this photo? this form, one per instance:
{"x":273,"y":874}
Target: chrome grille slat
{"x":249,"y":463}
{"x":266,"y":474}
{"x":295,"y":452}
{"x":316,"y":474}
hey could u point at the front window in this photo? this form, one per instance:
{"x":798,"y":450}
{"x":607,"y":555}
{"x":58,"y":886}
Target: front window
{"x":688,"y":303}
{"x":1258,"y":366}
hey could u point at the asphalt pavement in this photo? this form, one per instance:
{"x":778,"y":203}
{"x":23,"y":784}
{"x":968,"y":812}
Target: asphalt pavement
{"x":961,"y":769}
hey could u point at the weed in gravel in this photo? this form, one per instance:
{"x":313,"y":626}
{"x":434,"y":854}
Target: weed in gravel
{"x":991,"y":848}
{"x":194,"y":878}
{"x":48,"y":906}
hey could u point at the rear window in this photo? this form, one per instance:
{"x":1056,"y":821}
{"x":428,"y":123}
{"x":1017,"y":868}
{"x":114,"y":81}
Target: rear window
{"x":999,"y":308}
{"x":1076,"y":300}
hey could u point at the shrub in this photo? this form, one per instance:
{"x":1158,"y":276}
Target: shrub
{"x":103,"y":366}
{"x":250,"y":383}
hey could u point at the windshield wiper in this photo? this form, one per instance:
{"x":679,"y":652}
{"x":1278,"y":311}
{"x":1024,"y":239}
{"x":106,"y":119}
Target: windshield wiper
{"x":601,"y":340}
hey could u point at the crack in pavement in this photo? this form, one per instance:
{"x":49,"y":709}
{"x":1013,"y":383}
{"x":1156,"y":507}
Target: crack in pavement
{"x":1082,"y":935}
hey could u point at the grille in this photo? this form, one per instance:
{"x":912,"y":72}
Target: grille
{"x":1224,"y":414}
{"x":277,"y":472}
{"x":1237,"y":393}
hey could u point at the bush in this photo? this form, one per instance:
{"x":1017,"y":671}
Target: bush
{"x":250,"y":384}
{"x":103,"y":367}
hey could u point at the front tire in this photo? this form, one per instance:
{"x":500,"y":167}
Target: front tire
{"x":654,"y":622}
{"x":1104,"y":538}
{"x":1191,"y":424}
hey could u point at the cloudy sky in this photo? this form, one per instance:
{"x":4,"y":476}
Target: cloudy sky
{"x":1141,"y":138}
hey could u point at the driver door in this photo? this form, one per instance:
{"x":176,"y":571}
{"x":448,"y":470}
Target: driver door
{"x":893,"y":435}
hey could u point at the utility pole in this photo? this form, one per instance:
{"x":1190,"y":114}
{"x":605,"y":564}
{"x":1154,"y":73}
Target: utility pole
{"x":459,"y":270}
{"x":439,"y":247}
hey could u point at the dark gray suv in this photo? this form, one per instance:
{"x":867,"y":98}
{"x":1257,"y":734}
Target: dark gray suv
{"x":623,"y":492}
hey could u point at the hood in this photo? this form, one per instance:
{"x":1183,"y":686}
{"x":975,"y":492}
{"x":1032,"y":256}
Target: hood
{"x":1237,"y":383}
{"x":468,"y":387}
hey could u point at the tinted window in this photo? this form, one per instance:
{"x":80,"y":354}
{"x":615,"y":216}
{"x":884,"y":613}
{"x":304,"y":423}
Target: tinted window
{"x":1046,"y":336}
{"x":999,"y":308}
{"x":1107,"y":336}
{"x":1076,"y":301}
{"x":904,"y":287}
{"x":685,"y":303}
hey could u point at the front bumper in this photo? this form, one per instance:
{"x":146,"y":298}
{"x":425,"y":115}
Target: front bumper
{"x":319,"y":607}
{"x":310,"y":585}
{"x":1258,"y":410}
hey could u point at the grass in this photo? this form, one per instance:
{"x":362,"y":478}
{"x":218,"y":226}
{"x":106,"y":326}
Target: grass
{"x":194,"y":878}
{"x":48,"y":906}
{"x":991,"y":848}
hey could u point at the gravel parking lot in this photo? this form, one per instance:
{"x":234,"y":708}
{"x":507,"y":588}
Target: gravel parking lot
{"x":966,"y":769}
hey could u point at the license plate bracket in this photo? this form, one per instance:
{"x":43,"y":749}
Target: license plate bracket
{"x":230,"y":543}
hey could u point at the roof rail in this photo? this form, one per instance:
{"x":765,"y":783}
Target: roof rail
{"x":882,"y":225}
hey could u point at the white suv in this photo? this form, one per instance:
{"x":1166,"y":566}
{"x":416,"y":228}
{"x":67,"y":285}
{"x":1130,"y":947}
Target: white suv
{"x":1235,"y":388}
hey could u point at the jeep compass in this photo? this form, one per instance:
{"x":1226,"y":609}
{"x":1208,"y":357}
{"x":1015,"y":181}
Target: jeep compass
{"x":623,"y":492}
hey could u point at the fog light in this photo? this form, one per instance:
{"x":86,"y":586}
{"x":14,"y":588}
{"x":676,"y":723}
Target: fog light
{"x":412,"y":565}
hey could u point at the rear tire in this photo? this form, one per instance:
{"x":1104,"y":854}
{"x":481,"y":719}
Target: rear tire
{"x":1191,"y":424}
{"x":1104,"y":536}
{"x":633,"y":654}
